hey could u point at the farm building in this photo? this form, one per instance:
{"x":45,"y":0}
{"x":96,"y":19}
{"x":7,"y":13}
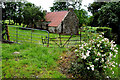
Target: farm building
{"x":64,"y":22}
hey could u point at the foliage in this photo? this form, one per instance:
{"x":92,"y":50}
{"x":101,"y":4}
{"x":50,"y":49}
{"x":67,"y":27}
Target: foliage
{"x":82,"y":16}
{"x":106,"y":14}
{"x":61,"y":6}
{"x":94,"y":58}
{"x":106,"y":30}
{"x":32,"y":15}
{"x":22,"y":12}
{"x":12,"y":11}
{"x":94,"y":9}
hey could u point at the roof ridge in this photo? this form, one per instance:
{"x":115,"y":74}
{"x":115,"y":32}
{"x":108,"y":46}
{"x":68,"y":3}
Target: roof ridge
{"x":58,"y":11}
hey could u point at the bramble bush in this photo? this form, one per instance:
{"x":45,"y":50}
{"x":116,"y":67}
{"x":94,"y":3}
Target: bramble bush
{"x":93,"y":58}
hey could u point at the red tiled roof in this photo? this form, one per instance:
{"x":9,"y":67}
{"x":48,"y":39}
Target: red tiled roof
{"x":55,"y":18}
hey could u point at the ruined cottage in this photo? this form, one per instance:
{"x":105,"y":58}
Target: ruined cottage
{"x":63,"y":22}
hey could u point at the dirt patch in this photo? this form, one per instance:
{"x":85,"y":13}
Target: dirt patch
{"x":65,"y":62}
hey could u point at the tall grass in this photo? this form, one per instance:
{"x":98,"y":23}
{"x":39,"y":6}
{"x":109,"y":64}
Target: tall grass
{"x":33,"y":61}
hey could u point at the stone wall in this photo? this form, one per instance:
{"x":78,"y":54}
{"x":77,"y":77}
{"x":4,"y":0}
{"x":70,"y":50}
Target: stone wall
{"x":42,"y":25}
{"x":70,"y":24}
{"x":52,"y":29}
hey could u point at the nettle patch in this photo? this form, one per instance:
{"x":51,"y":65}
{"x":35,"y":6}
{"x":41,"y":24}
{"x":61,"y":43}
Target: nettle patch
{"x":94,"y":58}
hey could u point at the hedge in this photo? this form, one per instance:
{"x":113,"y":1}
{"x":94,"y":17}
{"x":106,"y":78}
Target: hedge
{"x":106,"y":30}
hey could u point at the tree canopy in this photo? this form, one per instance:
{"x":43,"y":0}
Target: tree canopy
{"x":22,"y":12}
{"x":33,"y":14}
{"x":106,"y":14}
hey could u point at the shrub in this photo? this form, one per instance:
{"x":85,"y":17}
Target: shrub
{"x":93,"y":58}
{"x":106,"y":30}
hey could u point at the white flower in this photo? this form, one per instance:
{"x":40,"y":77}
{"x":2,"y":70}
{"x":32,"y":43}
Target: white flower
{"x":81,"y":47}
{"x":84,"y":57}
{"x":114,"y":56}
{"x":112,"y":42}
{"x":98,"y":54}
{"x":100,"y":35}
{"x":116,"y":51}
{"x":116,"y":63}
{"x":112,"y":48}
{"x":113,"y":65}
{"x":115,"y":45}
{"x":104,"y":55}
{"x":76,"y":50}
{"x":106,"y":39}
{"x":102,"y":60}
{"x":105,"y":66}
{"x":110,"y":54}
{"x":88,"y":53}
{"x":96,"y":59}
{"x":92,"y":66}
{"x":107,"y":76}
{"x":111,"y":68}
{"x":98,"y":45}
{"x":112,"y":72}
{"x":90,"y":48}
{"x":88,"y":68}
{"x":102,"y":40}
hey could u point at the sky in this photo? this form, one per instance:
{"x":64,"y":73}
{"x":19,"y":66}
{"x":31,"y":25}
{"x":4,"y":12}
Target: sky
{"x":46,"y":4}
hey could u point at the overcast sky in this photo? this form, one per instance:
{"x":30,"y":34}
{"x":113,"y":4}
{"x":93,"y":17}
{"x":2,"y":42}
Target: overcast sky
{"x":46,"y":4}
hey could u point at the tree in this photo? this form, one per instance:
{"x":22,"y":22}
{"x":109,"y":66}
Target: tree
{"x":110,"y":16}
{"x":12,"y":11}
{"x":59,"y":6}
{"x":107,"y":15}
{"x":94,"y":9}
{"x":19,"y":13}
{"x":32,"y":14}
{"x":82,"y":16}
{"x":63,"y":6}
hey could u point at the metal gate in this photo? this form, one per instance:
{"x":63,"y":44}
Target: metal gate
{"x":29,"y":35}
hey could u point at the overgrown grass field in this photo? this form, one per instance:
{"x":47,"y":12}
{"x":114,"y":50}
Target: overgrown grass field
{"x":33,"y":61}
{"x":36,"y":61}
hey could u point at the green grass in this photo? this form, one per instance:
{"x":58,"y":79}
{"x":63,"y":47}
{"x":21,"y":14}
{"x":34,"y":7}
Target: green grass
{"x":33,"y":61}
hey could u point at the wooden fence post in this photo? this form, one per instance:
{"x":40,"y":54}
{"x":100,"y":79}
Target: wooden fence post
{"x":7,"y":32}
